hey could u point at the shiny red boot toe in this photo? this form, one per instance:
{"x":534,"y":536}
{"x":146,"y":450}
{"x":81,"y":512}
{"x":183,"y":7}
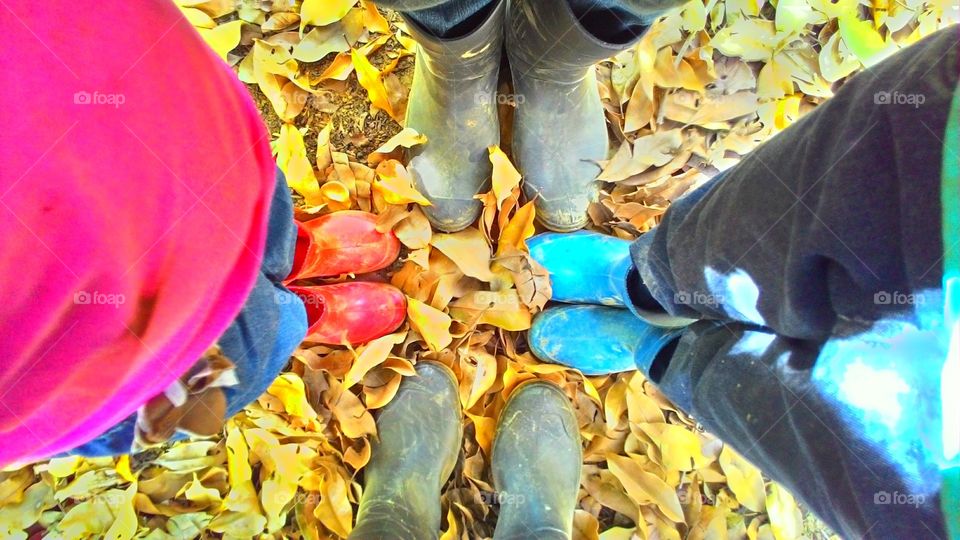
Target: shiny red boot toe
{"x":341,"y":243}
{"x":353,"y":312}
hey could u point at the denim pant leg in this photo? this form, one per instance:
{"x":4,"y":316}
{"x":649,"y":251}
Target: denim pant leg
{"x":615,"y":21}
{"x":259,"y":341}
{"x":831,"y":222}
{"x":443,"y":18}
{"x":818,"y":258}
{"x":273,"y":320}
{"x":818,"y":418}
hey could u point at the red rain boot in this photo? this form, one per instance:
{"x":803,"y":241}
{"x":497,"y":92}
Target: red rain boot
{"x":353,"y":312}
{"x":341,"y":243}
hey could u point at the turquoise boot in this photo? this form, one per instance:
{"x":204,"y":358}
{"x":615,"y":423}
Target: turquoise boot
{"x":536,"y":464}
{"x":597,"y":340}
{"x":593,"y":268}
{"x":420,"y":431}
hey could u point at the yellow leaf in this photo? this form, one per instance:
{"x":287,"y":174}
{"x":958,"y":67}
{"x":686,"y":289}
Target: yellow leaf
{"x":644,"y":487}
{"x":339,"y":69}
{"x":775,"y":80}
{"x":679,"y":447}
{"x":195,"y":491}
{"x":223,"y":38}
{"x":785,"y":518}
{"x":585,"y":525}
{"x":123,"y":468}
{"x":370,"y":78}
{"x":372,"y":18}
{"x":406,"y":138}
{"x":431,"y":323}
{"x":62,"y":467}
{"x":281,"y":473}
{"x":279,"y":21}
{"x":483,"y":377}
{"x":451,"y":533}
{"x":502,"y":309}
{"x":198,"y":18}
{"x":743,"y":478}
{"x":675,"y":73}
{"x":323,"y":12}
{"x":414,"y":230}
{"x":505,"y":175}
{"x":396,"y":185}
{"x":292,"y":160}
{"x":242,"y":497}
{"x":335,"y":195}
{"x":518,"y":230}
{"x":334,"y":509}
{"x":372,"y":355}
{"x":354,"y":419}
{"x":15,"y":518}
{"x":469,"y":250}
{"x":289,"y":389}
{"x":324,"y":155}
{"x":863,"y":39}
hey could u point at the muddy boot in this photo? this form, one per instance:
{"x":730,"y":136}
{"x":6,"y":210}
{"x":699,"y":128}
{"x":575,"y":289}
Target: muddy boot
{"x":559,"y":129}
{"x":453,"y":102}
{"x":536,"y":464}
{"x":420,"y":432}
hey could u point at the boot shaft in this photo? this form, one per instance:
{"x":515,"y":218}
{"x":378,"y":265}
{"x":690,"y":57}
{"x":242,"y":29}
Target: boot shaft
{"x":545,"y":40}
{"x":473,"y":56}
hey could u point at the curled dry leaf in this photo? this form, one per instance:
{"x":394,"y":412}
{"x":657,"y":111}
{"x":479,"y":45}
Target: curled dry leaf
{"x":395,"y":184}
{"x":406,"y":138}
{"x":468,"y":250}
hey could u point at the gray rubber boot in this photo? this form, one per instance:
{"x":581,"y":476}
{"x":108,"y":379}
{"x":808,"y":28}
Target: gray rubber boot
{"x":536,"y":464}
{"x":420,"y":431}
{"x":559,"y":129}
{"x":453,"y":102}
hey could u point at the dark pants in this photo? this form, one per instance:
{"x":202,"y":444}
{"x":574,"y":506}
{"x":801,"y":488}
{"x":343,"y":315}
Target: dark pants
{"x":615,"y":21}
{"x":816,"y":264}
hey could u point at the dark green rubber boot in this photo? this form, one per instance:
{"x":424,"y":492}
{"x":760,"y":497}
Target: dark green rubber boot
{"x":559,"y":129}
{"x":536,"y":464}
{"x":420,"y":432}
{"x":453,"y":102}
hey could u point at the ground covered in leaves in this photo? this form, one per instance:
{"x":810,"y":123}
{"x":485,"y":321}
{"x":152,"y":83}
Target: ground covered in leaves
{"x":331,"y":77}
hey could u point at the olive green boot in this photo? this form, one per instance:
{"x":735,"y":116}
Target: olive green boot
{"x":420,"y":432}
{"x":536,"y":464}
{"x":453,"y":102}
{"x":559,"y":129}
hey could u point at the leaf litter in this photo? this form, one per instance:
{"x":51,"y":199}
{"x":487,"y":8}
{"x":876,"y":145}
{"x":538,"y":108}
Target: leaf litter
{"x":702,"y":88}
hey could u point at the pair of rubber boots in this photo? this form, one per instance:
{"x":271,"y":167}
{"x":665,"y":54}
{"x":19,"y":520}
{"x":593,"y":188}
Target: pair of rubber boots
{"x":536,"y":461}
{"x":352,"y":312}
{"x":615,"y":324}
{"x":559,"y":129}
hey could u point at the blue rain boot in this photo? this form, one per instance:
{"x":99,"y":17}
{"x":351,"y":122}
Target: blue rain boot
{"x":592,"y":268}
{"x":597,"y":340}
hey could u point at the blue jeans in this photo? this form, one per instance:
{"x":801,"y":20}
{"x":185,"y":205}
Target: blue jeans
{"x":615,"y":21}
{"x":816,"y":268}
{"x":259,"y":341}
